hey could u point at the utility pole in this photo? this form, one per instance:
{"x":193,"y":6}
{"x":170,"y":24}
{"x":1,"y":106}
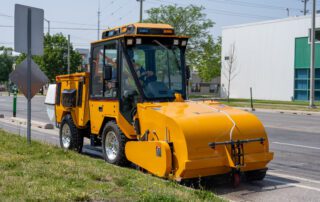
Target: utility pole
{"x":99,"y":20}
{"x":48,"y":21}
{"x":305,"y":7}
{"x":141,"y":9}
{"x":68,"y":53}
{"x":312,"y":62}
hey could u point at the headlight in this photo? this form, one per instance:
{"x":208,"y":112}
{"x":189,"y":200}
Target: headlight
{"x":176,"y":42}
{"x":138,"y":40}
{"x":129,"y":41}
{"x":184,"y":43}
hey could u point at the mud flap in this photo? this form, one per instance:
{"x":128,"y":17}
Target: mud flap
{"x":153,"y":156}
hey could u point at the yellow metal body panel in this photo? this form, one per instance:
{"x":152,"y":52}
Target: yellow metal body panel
{"x":101,"y":109}
{"x":154,"y":156}
{"x":89,"y":109}
{"x":80,"y":114}
{"x":190,"y":126}
{"x":108,"y":109}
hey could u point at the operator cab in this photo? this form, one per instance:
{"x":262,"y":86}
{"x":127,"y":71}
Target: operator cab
{"x":139,"y":62}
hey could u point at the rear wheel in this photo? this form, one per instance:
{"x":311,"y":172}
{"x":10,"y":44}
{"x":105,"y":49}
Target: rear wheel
{"x":70,"y":137}
{"x":255,"y":175}
{"x":113,"y":144}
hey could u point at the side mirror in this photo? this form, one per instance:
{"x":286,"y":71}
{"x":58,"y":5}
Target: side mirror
{"x":187,"y":72}
{"x":107,"y":72}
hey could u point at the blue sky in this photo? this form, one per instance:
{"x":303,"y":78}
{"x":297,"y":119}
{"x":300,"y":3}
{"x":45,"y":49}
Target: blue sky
{"x":66,"y":14}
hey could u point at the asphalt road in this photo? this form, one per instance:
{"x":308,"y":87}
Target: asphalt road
{"x":294,"y":174}
{"x":38,"y":108}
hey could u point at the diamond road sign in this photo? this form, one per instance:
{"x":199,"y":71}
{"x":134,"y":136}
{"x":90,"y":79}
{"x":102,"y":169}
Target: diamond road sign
{"x":38,"y":78}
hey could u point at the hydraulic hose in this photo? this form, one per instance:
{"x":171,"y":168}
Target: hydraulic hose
{"x":229,"y":117}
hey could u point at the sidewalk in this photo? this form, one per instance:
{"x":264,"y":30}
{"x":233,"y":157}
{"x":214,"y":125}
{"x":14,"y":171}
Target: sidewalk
{"x":281,"y":111}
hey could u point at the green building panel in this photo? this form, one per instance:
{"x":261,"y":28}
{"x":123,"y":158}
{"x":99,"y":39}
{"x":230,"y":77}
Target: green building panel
{"x":302,"y":70}
{"x":302,"y":53}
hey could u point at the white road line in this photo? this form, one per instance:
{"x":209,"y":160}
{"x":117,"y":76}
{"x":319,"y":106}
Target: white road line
{"x":296,"y":145}
{"x":293,"y":177}
{"x":292,"y":184}
{"x":290,"y":129}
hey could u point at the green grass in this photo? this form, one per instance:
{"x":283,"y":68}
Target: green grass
{"x":45,"y":172}
{"x":267,"y":104}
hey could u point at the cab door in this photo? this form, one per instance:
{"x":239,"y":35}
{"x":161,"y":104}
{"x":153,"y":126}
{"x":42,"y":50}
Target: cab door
{"x":129,"y":93}
{"x":103,"y":93}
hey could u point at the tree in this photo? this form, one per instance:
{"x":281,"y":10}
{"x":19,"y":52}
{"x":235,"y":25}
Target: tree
{"x":210,"y":60}
{"x":230,"y":69}
{"x":6,"y":62}
{"x":54,"y":61}
{"x":191,"y":21}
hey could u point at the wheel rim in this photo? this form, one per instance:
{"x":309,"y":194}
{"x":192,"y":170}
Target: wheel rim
{"x":66,"y":136}
{"x":111,"y":145}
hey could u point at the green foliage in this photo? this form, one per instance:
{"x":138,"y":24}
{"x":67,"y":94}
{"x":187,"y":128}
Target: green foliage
{"x":210,"y":59}
{"x":5,"y":48}
{"x":191,"y":21}
{"x":54,"y":60}
{"x":6,"y":62}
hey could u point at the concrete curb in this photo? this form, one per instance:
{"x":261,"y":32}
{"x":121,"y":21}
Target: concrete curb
{"x":281,"y":111}
{"x":37,"y":124}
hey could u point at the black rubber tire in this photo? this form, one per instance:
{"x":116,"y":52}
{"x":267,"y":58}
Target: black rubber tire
{"x":120,"y":159}
{"x":255,"y":175}
{"x":76,"y":141}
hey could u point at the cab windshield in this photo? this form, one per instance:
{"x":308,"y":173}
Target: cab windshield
{"x":158,"y":69}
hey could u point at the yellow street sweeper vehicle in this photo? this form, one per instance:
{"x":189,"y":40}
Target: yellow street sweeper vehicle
{"x":134,"y":101}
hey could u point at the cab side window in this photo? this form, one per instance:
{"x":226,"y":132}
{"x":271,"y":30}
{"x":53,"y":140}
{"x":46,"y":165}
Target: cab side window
{"x":97,"y":72}
{"x":129,"y":92}
{"x":111,"y":57}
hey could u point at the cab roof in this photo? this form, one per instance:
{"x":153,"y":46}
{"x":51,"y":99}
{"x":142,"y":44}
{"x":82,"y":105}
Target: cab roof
{"x":139,"y":29}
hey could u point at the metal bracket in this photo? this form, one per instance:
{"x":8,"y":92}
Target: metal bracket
{"x":237,"y":149}
{"x":214,"y":144}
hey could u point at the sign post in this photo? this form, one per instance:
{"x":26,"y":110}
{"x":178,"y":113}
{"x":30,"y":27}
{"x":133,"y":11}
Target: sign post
{"x":14,"y":110}
{"x":28,"y":38}
{"x":29,"y":77}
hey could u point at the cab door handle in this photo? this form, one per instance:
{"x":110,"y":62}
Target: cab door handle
{"x":100,"y":108}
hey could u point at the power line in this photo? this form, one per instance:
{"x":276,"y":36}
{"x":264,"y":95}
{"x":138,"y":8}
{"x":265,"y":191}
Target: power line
{"x":65,"y":28}
{"x":4,"y":15}
{"x":224,"y":12}
{"x":55,"y":21}
{"x":228,"y":13}
{"x":252,"y":5}
{"x":71,"y":23}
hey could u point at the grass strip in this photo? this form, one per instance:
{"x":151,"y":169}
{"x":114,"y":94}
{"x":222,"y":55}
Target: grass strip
{"x":45,"y":172}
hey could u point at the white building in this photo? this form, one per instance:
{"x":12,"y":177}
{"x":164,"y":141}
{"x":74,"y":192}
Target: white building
{"x":272,"y":57}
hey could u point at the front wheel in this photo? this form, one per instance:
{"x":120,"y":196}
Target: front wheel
{"x":70,"y":137}
{"x":113,"y":144}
